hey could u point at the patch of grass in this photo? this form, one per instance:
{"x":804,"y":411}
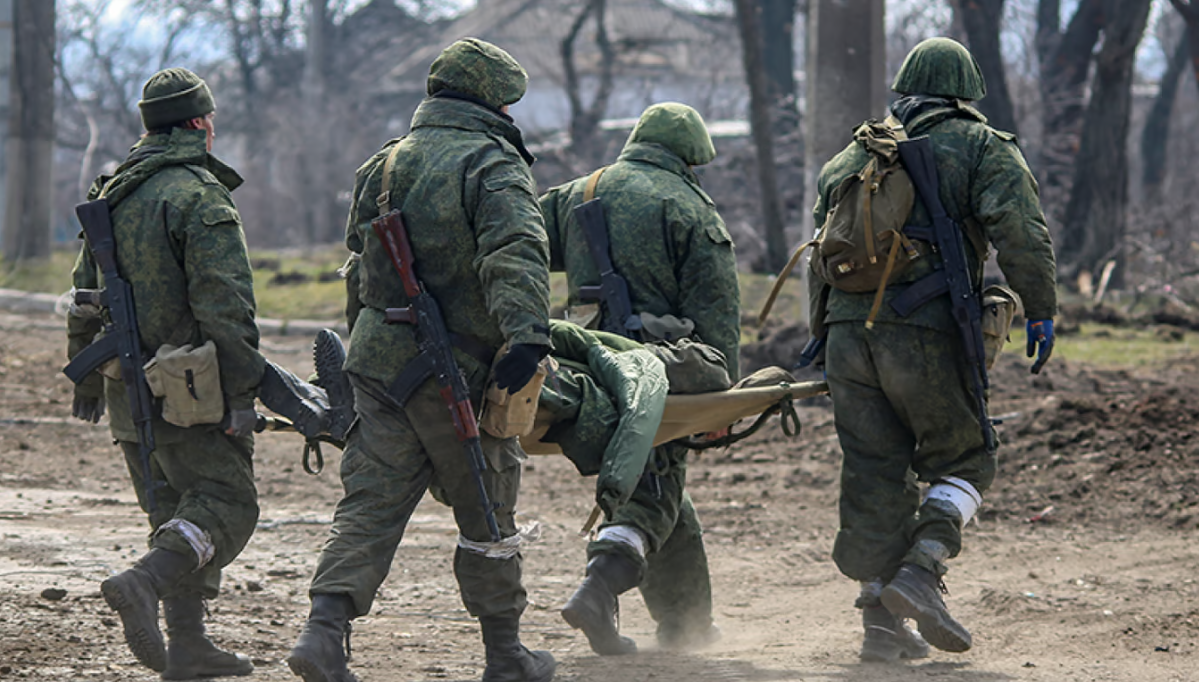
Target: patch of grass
{"x":47,"y":275}
{"x":1116,"y":347}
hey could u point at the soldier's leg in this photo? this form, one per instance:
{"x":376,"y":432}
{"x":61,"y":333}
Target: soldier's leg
{"x":384,"y":474}
{"x":927,"y":378}
{"x":617,"y":557}
{"x":879,"y":496}
{"x":205,"y":511}
{"x":677,"y":587}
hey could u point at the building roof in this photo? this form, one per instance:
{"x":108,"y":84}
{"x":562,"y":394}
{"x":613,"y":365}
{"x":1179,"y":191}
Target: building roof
{"x":651,"y":39}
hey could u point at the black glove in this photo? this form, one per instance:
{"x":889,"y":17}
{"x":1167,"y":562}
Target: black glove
{"x":88,"y":408}
{"x":518,"y":365}
{"x":239,"y":423}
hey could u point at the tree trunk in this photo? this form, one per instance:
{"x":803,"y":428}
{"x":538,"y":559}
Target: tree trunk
{"x":320,"y":193}
{"x":1156,"y":134}
{"x":1065,"y":61}
{"x":778,"y":56}
{"x":982,"y":20}
{"x":31,"y":132}
{"x":760,"y":106}
{"x":1095,"y":217}
{"x":1190,"y":14}
{"x":585,"y":119}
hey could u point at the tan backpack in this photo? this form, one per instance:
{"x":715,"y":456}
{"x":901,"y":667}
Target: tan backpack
{"x":861,"y":245}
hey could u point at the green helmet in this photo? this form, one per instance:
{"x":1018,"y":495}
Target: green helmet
{"x":172,"y":96}
{"x":940,"y":67}
{"x":677,"y":127}
{"x":478,"y":69}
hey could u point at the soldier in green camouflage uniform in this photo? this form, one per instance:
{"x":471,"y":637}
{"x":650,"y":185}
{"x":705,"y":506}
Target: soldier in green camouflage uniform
{"x":669,"y":243}
{"x":902,"y":398}
{"x":179,"y":243}
{"x":461,"y":178}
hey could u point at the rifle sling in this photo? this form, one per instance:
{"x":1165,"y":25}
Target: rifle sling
{"x":420,"y":369}
{"x":592,"y":183}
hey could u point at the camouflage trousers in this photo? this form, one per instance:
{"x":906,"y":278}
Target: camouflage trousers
{"x":207,"y":479}
{"x":905,"y":412}
{"x":676,"y":585}
{"x":393,"y":455}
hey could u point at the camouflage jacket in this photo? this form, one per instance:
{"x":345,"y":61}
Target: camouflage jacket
{"x":181,"y":247}
{"x":666,"y":238}
{"x":462,"y":181}
{"x":985,"y":186}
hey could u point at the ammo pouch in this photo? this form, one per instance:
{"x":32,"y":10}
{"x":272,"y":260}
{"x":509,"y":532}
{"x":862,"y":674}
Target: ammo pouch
{"x":508,"y":415}
{"x":189,"y":382}
{"x":999,"y":306}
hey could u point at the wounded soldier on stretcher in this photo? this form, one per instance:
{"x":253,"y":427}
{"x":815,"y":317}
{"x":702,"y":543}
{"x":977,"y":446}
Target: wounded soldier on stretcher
{"x":602,"y":400}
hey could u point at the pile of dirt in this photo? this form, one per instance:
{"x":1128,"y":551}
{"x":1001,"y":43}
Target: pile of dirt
{"x":1117,"y":448}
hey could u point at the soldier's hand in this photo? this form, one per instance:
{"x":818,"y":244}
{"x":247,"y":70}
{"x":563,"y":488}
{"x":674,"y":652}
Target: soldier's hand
{"x":88,"y":408}
{"x":240,"y":423}
{"x":518,"y":365}
{"x":1040,"y":342}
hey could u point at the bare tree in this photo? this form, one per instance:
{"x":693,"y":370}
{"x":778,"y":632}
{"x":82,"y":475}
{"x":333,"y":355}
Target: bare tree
{"x":1189,"y":10}
{"x":778,"y":57}
{"x":1095,"y":216}
{"x":1065,"y":59}
{"x":760,"y":123}
{"x":982,"y":20}
{"x":585,"y":118}
{"x":1156,"y":133}
{"x":30,"y":147}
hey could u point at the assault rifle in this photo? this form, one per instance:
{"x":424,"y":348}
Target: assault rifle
{"x":121,"y":337}
{"x":436,"y":351}
{"x":920,"y":162}
{"x":613,"y":289}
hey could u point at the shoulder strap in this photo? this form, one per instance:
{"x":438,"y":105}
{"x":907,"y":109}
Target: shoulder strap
{"x":383,"y":201}
{"x":592,"y":183}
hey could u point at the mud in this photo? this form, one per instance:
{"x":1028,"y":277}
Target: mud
{"x":1101,"y":586}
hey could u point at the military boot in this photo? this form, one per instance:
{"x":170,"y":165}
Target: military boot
{"x":915,"y":593}
{"x":593,"y":607}
{"x":321,"y":652}
{"x":190,"y":653}
{"x":134,"y":595}
{"x":507,"y":659}
{"x":329,"y":357}
{"x":888,"y":639}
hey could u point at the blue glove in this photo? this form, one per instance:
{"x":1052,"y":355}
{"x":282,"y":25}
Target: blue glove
{"x":1040,"y":342}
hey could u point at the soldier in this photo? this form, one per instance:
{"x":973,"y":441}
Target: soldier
{"x":670,"y":245}
{"x":180,"y":245}
{"x":903,"y":400}
{"x":461,"y":178}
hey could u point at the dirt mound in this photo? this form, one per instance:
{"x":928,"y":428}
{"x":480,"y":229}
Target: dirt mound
{"x":1111,"y":447}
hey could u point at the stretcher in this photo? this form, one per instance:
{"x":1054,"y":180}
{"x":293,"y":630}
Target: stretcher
{"x":696,"y":413}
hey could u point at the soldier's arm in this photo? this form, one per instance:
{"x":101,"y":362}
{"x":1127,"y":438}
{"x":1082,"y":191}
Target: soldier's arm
{"x":709,"y":291}
{"x":1006,"y":203}
{"x":513,"y":252}
{"x":220,"y":291}
{"x":554,"y":207}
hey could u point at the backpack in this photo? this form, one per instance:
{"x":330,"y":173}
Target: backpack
{"x":861,"y":245}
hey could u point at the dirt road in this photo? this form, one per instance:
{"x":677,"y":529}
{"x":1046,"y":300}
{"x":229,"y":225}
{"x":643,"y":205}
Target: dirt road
{"x":1101,"y":587}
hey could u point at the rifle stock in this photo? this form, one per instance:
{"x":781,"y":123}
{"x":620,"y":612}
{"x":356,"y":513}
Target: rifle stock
{"x":613,"y":289}
{"x":920,"y":162}
{"x":436,"y":344}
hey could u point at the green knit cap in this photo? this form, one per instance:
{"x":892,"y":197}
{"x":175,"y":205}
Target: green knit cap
{"x":941,"y":67}
{"x":478,"y":69}
{"x":677,"y":127}
{"x":172,"y":96}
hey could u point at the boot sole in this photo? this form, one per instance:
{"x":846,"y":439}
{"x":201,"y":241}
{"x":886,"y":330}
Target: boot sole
{"x":148,"y":649}
{"x":195,"y":673}
{"x":935,"y":625}
{"x":602,"y":641}
{"x":306,"y":669}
